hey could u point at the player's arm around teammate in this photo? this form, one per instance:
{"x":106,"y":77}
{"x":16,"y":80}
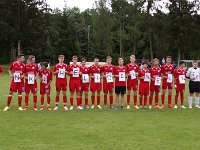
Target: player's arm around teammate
{"x":31,"y":75}
{"x":1,"y":72}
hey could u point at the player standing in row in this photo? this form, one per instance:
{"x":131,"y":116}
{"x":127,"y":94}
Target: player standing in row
{"x":60,"y":71}
{"x":167,"y":72}
{"x":132,"y":82}
{"x":120,"y":73}
{"x":95,"y":83}
{"x":75,"y":83}
{"x":155,"y":83}
{"x":145,"y":78}
{"x":16,"y":71}
{"x":108,"y":83}
{"x":194,"y":84}
{"x":45,"y":75}
{"x":85,"y":79}
{"x":31,"y":75}
{"x":179,"y":82}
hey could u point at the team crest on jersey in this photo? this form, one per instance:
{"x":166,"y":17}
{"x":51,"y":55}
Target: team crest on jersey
{"x":21,"y":67}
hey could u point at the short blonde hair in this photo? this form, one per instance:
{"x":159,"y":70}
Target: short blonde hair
{"x":132,"y":56}
{"x":120,"y":59}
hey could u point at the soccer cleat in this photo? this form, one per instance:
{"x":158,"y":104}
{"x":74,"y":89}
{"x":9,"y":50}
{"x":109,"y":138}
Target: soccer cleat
{"x":112,"y":107}
{"x":105,"y":107}
{"x":20,"y":108}
{"x":26,"y":108}
{"x":157,"y":106}
{"x":98,"y":106}
{"x":170,"y":106}
{"x":141,"y":107}
{"x":162,"y":107}
{"x":56,"y":108}
{"x":145,"y":107}
{"x":65,"y":108}
{"x":136,"y":107}
{"x":175,"y":107}
{"x":197,"y":106}
{"x":182,"y":106}
{"x":92,"y":107}
{"x":49,"y":108}
{"x":42,"y":108}
{"x":71,"y":108}
{"x":6,"y":108}
{"x":81,"y":107}
{"x":190,"y":107}
{"x":122,"y":107}
{"x":150,"y":107}
{"x":35,"y":109}
{"x":128,"y":107}
{"x":87,"y":107}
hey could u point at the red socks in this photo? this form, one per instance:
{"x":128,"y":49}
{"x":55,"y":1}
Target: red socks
{"x":150,"y":100}
{"x":163,"y":99}
{"x":42,"y":102}
{"x":26,"y":101}
{"x":145,"y":101}
{"x":65,"y":100}
{"x":9,"y":100}
{"x":93,"y":99}
{"x":141,"y":98}
{"x":111,"y":100}
{"x":48,"y":100}
{"x":20,"y":101}
{"x":105,"y":100}
{"x":128,"y":99}
{"x":71,"y":101}
{"x":34,"y":101}
{"x":169,"y":99}
{"x":98,"y":100}
{"x":135,"y":100}
{"x":156,"y":100}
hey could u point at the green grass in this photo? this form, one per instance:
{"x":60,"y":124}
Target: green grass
{"x":96,"y":129}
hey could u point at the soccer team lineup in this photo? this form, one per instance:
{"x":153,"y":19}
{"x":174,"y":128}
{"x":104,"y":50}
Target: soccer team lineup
{"x":148,"y":83}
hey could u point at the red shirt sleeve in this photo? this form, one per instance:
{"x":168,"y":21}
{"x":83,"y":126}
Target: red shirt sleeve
{"x":11,"y":66}
{"x":50,"y":76}
{"x":1,"y":70}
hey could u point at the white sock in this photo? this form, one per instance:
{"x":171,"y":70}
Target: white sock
{"x":197,"y":101}
{"x":190,"y":101}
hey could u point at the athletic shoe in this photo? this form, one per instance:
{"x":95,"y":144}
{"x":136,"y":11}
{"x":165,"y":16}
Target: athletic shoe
{"x":157,"y":106}
{"x":197,"y":106}
{"x":71,"y":108}
{"x":145,"y":107}
{"x":162,"y":107}
{"x":35,"y":109}
{"x":105,"y":107}
{"x":92,"y":107}
{"x":190,"y":107}
{"x":112,"y":107}
{"x":136,"y":107}
{"x":87,"y":107}
{"x":80,"y":107}
{"x":141,"y":107}
{"x":49,"y":108}
{"x":56,"y":108}
{"x":150,"y":107}
{"x":128,"y":107}
{"x":26,"y":108}
{"x":42,"y":108}
{"x":6,"y":108}
{"x":65,"y":108}
{"x":175,"y":107}
{"x":182,"y":106}
{"x":20,"y":108}
{"x":98,"y":106}
{"x":170,"y":106}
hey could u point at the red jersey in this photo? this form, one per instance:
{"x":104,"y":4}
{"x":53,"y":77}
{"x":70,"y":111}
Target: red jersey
{"x":17,"y":67}
{"x":108,"y":69}
{"x":155,"y":71}
{"x":31,"y":69}
{"x":1,"y":70}
{"x":116,"y":72}
{"x":75,"y":69}
{"x":131,"y":67}
{"x":167,"y":69}
{"x":142,"y":74}
{"x":84,"y":70}
{"x":46,"y":76}
{"x":177,"y":73}
{"x":61,"y":75}
{"x":95,"y":69}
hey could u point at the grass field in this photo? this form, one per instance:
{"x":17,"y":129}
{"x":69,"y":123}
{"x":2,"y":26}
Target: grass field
{"x":96,"y":129}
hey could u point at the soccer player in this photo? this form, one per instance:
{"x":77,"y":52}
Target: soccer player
{"x":75,"y":83}
{"x":120,"y":74}
{"x":179,"y":82}
{"x":95,"y":84}
{"x":194,"y":85}
{"x":45,"y":75}
{"x":155,"y":83}
{"x":31,"y":70}
{"x":167,"y":71}
{"x":108,"y":83}
{"x":84,"y":82}
{"x":1,"y":72}
{"x":60,"y":71}
{"x":132,"y":82}
{"x":144,"y":76}
{"x":16,"y":71}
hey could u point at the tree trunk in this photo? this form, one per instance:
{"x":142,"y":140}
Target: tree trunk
{"x":134,"y":48}
{"x":151,"y":47}
{"x":179,"y":55}
{"x":18,"y":47}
